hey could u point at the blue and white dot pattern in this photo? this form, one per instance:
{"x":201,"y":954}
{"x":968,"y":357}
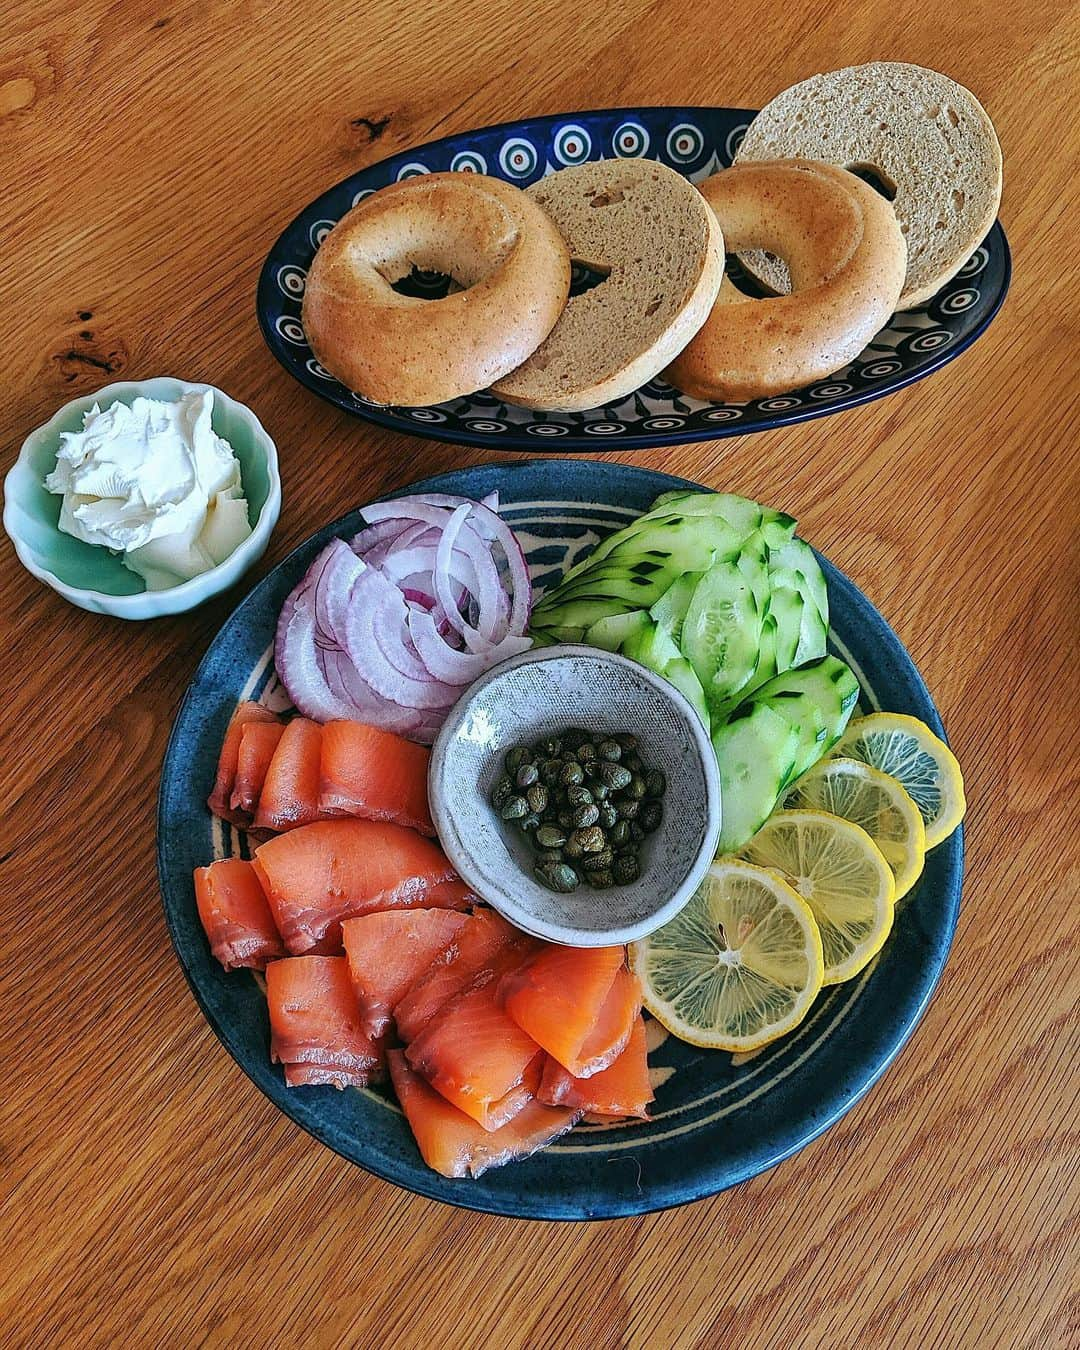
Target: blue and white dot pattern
{"x":695,"y":142}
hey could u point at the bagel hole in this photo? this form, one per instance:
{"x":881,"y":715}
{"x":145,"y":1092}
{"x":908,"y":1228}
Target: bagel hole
{"x":876,"y":178}
{"x":422,"y":285}
{"x":743,"y":281}
{"x":584,"y":277}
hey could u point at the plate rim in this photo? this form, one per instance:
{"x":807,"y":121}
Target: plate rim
{"x":414,"y":1177}
{"x":518,"y":442}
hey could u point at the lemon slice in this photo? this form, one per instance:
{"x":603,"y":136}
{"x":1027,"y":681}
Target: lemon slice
{"x":738,"y":967}
{"x":841,"y":875}
{"x":875,"y":802}
{"x":907,"y":750}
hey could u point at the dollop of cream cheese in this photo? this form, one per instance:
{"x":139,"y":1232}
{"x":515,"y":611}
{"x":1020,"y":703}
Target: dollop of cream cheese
{"x":156,"y":484}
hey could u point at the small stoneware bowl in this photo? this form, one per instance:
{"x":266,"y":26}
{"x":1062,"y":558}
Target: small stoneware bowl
{"x":540,"y":693}
{"x":94,"y":578}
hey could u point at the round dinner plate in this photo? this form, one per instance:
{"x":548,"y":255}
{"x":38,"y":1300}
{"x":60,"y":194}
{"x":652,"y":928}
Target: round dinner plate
{"x":695,"y":142}
{"x":715,"y":1121}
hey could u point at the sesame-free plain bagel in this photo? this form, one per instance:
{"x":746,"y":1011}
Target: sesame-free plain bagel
{"x":920,"y":133}
{"x":846,"y":257}
{"x":502,"y":250}
{"x":649,"y":230}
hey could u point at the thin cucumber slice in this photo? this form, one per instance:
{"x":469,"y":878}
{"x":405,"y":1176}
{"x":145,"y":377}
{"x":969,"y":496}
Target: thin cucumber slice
{"x":680,"y":673}
{"x":756,"y":753}
{"x":817,"y":699}
{"x":786,"y":606}
{"x":721,"y":632}
{"x":796,"y":556}
{"x":609,"y":634}
{"x":669,"y":612}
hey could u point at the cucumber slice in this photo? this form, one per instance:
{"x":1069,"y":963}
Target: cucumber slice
{"x":577,"y":614}
{"x":756,"y":752}
{"x":795,"y":564}
{"x":609,"y":634}
{"x":812,"y":636}
{"x":721,"y":632}
{"x":681,"y":674}
{"x":786,"y":606}
{"x":669,"y":612}
{"x":817,"y":699}
{"x":753,"y":563}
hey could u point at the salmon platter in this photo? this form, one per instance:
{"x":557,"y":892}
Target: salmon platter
{"x":346,"y":950}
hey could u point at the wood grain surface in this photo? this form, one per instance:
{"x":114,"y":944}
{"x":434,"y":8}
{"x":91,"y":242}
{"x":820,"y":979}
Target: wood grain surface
{"x":149,"y":155}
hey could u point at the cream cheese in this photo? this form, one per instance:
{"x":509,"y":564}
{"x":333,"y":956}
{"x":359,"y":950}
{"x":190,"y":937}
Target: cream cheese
{"x":155,"y":483}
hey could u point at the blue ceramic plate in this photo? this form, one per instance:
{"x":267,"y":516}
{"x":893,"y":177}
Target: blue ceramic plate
{"x":714,"y":1123}
{"x":696,"y":142}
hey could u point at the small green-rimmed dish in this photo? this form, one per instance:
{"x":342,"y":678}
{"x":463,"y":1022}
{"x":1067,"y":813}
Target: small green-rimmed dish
{"x":94,"y":578}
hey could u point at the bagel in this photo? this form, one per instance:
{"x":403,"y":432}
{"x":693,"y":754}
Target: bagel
{"x":846,"y":254}
{"x":497,"y":245}
{"x":925,"y":137}
{"x":648,"y":229}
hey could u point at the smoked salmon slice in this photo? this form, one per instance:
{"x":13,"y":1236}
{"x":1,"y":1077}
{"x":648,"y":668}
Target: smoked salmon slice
{"x":374,"y":774}
{"x":315,"y":1022}
{"x":477,"y":1057}
{"x":474,"y":949}
{"x":257,"y":745}
{"x":609,"y":1037}
{"x":454,"y":1145}
{"x":319,"y":874}
{"x":290,"y":791}
{"x":557,"y":997}
{"x":388,"y":952}
{"x":235,"y":915}
{"x":219,"y":800}
{"x":622,"y":1089}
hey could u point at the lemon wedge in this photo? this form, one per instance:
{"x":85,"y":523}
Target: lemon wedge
{"x":840,"y":873}
{"x":873,"y":801}
{"x":907,"y":750}
{"x":738,"y":967}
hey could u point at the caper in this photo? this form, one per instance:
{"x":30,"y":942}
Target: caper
{"x":627,"y":741}
{"x":551,"y":855}
{"x":600,"y":792}
{"x":571,"y":774}
{"x":573,"y":848}
{"x":585,"y":816}
{"x":550,"y":746}
{"x":514,"y":808}
{"x":529,"y":821}
{"x":625,"y":869}
{"x":619,"y":833}
{"x":601,"y":881}
{"x":549,"y":772}
{"x":590,"y":840}
{"x":558,"y":877}
{"x":655,"y":783}
{"x":501,"y":792}
{"x":550,"y":836}
{"x":566,"y":819}
{"x":537,"y":797}
{"x":578,"y":795}
{"x":515,"y":758}
{"x":608,"y":815}
{"x":627,"y":851}
{"x":586,"y":752}
{"x":627,"y":808}
{"x":633,"y":763}
{"x":637,"y":834}
{"x":636,"y":787}
{"x":650,"y":816}
{"x":610,"y":750}
{"x":527,"y":775}
{"x":614,"y":776}
{"x":598,"y":862}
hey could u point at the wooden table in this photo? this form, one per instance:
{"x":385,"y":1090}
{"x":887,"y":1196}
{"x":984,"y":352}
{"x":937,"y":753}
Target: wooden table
{"x":149,"y":154}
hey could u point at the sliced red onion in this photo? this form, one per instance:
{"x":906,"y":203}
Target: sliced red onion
{"x":297,"y":661}
{"x":460,"y":668}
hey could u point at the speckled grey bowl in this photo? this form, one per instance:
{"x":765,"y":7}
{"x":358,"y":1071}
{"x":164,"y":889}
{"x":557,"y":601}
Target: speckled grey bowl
{"x":538,"y":694}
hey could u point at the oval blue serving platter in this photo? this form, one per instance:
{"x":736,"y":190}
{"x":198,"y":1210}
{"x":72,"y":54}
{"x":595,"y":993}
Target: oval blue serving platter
{"x":714,"y":1122}
{"x":694,"y":141}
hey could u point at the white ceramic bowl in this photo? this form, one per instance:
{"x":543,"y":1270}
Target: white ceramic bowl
{"x":541,"y":693}
{"x":95,"y":579}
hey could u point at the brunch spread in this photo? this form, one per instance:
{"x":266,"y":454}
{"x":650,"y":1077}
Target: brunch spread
{"x":836,"y":256}
{"x":380,"y":962}
{"x":154,"y":483}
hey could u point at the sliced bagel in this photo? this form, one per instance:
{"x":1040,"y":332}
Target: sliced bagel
{"x":917,"y":131}
{"x":650,"y":230}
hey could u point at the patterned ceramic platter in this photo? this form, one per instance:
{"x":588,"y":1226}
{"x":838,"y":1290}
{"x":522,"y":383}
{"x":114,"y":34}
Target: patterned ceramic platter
{"x":696,"y":142}
{"x":715,"y":1121}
